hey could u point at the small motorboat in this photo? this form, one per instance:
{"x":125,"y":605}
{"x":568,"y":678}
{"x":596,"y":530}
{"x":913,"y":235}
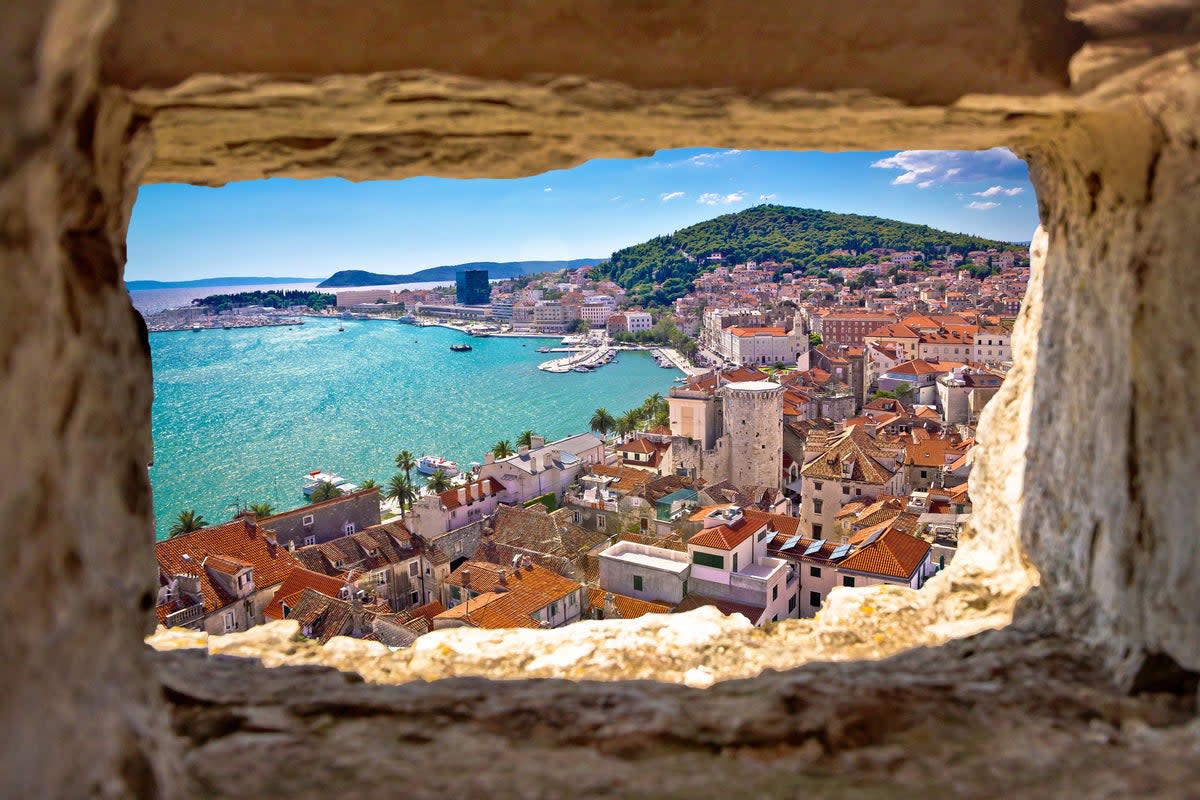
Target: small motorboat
{"x":460,"y":348}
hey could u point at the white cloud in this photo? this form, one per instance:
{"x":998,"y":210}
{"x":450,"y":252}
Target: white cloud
{"x":981,"y":206}
{"x":667,"y":197}
{"x":718,"y":199}
{"x":614,"y":198}
{"x":766,"y":198}
{"x":710,"y":159}
{"x":992,"y":191}
{"x":927,"y":168}
{"x":547,"y":189}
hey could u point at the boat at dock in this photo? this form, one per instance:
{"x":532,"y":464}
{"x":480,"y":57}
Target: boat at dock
{"x":196,"y":328}
{"x":427,"y":465}
{"x":316,"y":477}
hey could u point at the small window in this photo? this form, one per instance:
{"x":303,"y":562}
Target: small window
{"x":762,"y":535}
{"x":553,"y":610}
{"x":310,"y":540}
{"x":708,"y":560}
{"x":230,"y":621}
{"x":845,"y":490}
{"x":924,"y":474}
{"x":814,"y":599}
{"x":571,"y":599}
{"x":735,"y":562}
{"x":814,"y":572}
{"x":637,"y":583}
{"x":455,"y":593}
{"x":792,"y":603}
{"x":414,"y":568}
{"x":348,"y":528}
{"x":307,"y":520}
{"x":576,"y":517}
{"x":817,"y":485}
{"x":286,"y":609}
{"x":816,"y":531}
{"x":817,"y":506}
{"x":775,"y":592}
{"x":858,"y":492}
{"x":601,"y":522}
{"x":848,"y":581}
{"x":414,"y":598}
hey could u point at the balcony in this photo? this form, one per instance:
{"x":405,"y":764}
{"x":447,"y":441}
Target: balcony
{"x":186,"y":617}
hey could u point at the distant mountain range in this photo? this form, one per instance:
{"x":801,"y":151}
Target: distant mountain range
{"x":659,"y":270}
{"x":140,"y":285}
{"x":496,"y":269}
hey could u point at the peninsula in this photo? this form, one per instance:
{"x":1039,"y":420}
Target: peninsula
{"x":496,"y":269}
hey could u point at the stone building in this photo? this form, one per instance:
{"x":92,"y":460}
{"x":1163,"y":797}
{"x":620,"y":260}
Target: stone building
{"x":753,"y":441}
{"x":329,"y":519}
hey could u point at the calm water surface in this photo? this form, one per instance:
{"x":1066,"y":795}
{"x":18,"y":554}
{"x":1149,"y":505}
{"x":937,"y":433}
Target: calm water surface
{"x":241,"y":415}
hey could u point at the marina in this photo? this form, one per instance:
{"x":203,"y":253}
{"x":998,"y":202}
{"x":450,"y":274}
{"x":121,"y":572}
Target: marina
{"x":240,"y":415}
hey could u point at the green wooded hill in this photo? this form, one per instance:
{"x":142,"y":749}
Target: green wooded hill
{"x":803,"y":237}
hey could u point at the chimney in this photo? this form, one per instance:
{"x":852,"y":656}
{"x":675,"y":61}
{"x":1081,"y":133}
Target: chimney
{"x":522,"y":450}
{"x":489,"y":458}
{"x":503,"y":581}
{"x":536,"y":441}
{"x":527,"y":562}
{"x":356,"y":615}
{"x":462,"y":494}
{"x":610,"y":606}
{"x":553,"y":455}
{"x":291,"y":545}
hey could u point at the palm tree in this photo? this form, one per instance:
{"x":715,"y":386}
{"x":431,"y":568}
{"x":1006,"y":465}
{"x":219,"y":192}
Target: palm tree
{"x":602,"y":421}
{"x":261,"y":510}
{"x":502,"y":449}
{"x":325,"y":491}
{"x":438,"y":482}
{"x":651,"y":404}
{"x":625,"y":425}
{"x":369,"y":483}
{"x":633,"y":418}
{"x":400,"y":489}
{"x":525,"y":439}
{"x":662,"y":419}
{"x":187,"y":521}
{"x":406,"y":462}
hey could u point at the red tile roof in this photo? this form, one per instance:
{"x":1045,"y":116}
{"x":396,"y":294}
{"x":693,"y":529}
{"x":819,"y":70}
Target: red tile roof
{"x":239,"y":540}
{"x":476,"y":490}
{"x":727,"y":537}
{"x":894,"y":554}
{"x":297,"y":581}
{"x":627,"y":607}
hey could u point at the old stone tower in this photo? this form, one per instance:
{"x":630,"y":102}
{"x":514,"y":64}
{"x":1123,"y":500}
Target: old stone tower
{"x":753,"y":440}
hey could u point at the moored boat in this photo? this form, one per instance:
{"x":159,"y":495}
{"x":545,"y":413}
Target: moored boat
{"x":460,"y":348}
{"x":427,"y":465}
{"x":316,"y":477}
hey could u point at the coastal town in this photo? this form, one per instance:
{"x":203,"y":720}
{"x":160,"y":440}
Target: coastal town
{"x":819,"y":440}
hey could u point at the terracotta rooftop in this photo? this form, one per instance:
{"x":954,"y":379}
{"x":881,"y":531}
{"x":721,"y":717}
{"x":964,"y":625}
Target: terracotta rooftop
{"x":238,"y":541}
{"x":894,"y":554}
{"x":475,"y":491}
{"x":627,"y":607}
{"x":297,"y":581}
{"x":726,"y":607}
{"x":727,"y":537}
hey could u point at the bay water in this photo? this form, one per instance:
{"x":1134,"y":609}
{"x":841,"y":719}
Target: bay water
{"x":241,"y":415}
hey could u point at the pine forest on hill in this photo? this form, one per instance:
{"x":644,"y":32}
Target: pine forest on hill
{"x":802,"y":237}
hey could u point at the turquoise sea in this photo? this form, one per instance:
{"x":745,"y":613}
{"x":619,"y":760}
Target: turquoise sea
{"x":241,"y":415}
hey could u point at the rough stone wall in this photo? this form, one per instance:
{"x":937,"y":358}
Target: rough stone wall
{"x":75,"y":388}
{"x":1085,"y":457}
{"x":754,"y":427}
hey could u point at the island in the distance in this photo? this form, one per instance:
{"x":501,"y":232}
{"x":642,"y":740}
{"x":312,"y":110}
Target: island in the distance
{"x":496,"y":269}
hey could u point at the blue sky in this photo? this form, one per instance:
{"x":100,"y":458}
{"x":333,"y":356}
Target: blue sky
{"x":284,"y":227}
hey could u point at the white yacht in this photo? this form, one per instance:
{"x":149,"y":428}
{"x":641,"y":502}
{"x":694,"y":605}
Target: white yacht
{"x":315,"y":478}
{"x":428,"y":465}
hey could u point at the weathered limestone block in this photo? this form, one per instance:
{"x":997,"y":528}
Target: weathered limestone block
{"x":78,"y":705}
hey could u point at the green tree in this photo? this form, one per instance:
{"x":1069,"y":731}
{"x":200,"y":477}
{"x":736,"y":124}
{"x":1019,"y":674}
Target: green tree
{"x":187,"y":521}
{"x":261,"y":510}
{"x":406,"y":462}
{"x":814,"y":339}
{"x":369,"y":483}
{"x":602,"y":421}
{"x":525,"y":439}
{"x":630,"y":421}
{"x":581,"y":326}
{"x":662,"y":419}
{"x":438,"y":482}
{"x":400,"y":488}
{"x":325,"y":491}
{"x":502,"y":449}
